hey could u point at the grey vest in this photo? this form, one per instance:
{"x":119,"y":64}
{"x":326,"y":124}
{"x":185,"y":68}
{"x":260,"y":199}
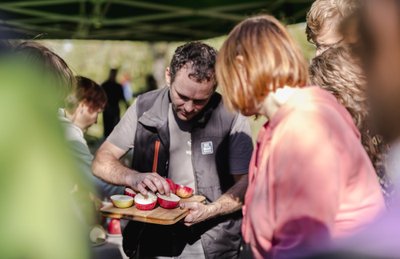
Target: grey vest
{"x":221,"y":236}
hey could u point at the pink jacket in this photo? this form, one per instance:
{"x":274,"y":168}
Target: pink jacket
{"x":310,"y":179}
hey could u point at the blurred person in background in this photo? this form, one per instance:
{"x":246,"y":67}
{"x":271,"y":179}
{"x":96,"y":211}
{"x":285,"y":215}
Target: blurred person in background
{"x":310,"y":180}
{"x":39,"y":218}
{"x":127,"y":87}
{"x":49,"y":63}
{"x":323,"y":22}
{"x":339,"y":71}
{"x":151,"y":84}
{"x":323,"y":29}
{"x":115,"y":95}
{"x":82,"y":108}
{"x":376,"y":40}
{"x":378,"y":44}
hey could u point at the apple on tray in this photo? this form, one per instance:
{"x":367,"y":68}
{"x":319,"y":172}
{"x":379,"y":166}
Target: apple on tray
{"x":168,"y":202}
{"x":172,"y":185}
{"x":145,"y":202}
{"x":128,"y":191}
{"x":122,"y":201}
{"x":184,"y":191}
{"x":180,"y":190}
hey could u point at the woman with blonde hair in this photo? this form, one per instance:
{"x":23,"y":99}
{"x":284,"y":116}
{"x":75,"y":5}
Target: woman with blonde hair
{"x":310,"y":179}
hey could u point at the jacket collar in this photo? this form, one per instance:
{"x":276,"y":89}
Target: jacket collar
{"x":157,"y":115}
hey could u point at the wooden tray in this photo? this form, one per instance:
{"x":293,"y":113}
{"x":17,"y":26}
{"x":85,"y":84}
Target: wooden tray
{"x":158,"y":215}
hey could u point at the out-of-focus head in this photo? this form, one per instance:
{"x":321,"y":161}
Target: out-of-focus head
{"x":113,"y":74}
{"x":324,"y":19}
{"x":50,"y":64}
{"x":257,"y":58}
{"x":151,"y":82}
{"x":339,"y":72}
{"x":379,"y":47}
{"x":86,"y":102}
{"x":191,"y":77}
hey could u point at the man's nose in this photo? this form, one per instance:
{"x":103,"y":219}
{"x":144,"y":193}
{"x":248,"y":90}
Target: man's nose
{"x":189,"y":107}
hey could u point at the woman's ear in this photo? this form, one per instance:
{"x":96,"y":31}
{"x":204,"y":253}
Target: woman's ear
{"x":239,"y":60}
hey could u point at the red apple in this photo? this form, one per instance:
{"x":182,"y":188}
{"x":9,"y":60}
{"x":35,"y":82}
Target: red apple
{"x":184,"y":191}
{"x":114,"y":227}
{"x":145,"y":202}
{"x":130,"y":192}
{"x":122,"y":201}
{"x":172,"y":185}
{"x":168,"y":202}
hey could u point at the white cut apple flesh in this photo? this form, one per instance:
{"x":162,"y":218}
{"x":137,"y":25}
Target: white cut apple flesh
{"x":145,"y":202}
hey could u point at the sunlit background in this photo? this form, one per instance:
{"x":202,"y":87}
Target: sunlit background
{"x":93,"y":59}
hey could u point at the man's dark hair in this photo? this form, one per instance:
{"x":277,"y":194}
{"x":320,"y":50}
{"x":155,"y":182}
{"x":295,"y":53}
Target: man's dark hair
{"x":200,"y":59}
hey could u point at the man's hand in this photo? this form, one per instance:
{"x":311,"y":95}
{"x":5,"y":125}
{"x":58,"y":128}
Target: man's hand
{"x":229,"y":202}
{"x":108,"y":167}
{"x":153,"y":181}
{"x":198,"y":212}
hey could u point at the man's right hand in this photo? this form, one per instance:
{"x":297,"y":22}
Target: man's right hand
{"x":153,"y":181}
{"x":108,"y":167}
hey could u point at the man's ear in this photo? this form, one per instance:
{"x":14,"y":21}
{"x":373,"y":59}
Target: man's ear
{"x":80,"y":107}
{"x":168,"y":77}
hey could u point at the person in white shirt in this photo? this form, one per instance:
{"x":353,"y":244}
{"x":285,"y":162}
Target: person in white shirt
{"x":82,"y":108}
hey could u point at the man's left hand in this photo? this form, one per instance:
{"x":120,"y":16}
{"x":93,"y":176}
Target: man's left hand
{"x":198,"y":212}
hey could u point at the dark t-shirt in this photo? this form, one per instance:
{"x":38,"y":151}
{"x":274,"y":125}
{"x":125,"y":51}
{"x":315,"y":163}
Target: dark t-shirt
{"x":114,"y":93}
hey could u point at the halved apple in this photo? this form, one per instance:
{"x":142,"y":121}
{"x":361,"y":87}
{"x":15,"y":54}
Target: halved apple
{"x":172,"y":185}
{"x":184,"y":191}
{"x":130,"y":192}
{"x":168,"y":202}
{"x":122,"y":201}
{"x":145,"y":202}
